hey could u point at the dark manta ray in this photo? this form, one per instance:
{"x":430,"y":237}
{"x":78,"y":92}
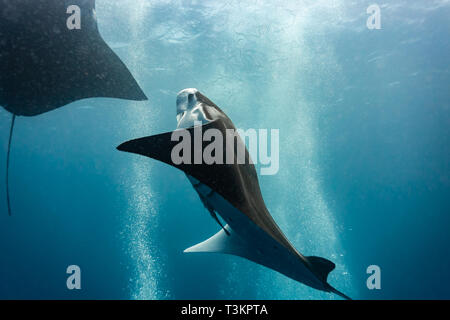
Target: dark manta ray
{"x":232,"y":191}
{"x":45,"y":63}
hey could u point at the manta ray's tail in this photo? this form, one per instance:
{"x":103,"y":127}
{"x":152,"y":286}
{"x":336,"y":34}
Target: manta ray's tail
{"x":339,"y":293}
{"x":7,"y":163}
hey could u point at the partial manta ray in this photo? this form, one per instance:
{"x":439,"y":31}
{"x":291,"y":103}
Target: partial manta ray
{"x":232,"y":191}
{"x":45,"y":65}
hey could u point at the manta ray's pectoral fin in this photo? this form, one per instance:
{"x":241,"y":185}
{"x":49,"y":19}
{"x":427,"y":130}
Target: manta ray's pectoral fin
{"x":82,"y":65}
{"x":220,"y":243}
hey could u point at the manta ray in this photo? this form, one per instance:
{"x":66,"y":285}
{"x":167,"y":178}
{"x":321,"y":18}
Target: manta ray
{"x":45,"y":63}
{"x":231,"y":191}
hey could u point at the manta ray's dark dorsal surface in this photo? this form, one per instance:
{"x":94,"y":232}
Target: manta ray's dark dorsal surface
{"x":45,"y":65}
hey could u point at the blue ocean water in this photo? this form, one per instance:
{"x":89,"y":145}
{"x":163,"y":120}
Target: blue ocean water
{"x":364,"y":154}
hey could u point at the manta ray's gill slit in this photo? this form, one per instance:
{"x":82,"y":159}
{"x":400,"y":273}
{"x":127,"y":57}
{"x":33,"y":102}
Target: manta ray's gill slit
{"x":140,"y":217}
